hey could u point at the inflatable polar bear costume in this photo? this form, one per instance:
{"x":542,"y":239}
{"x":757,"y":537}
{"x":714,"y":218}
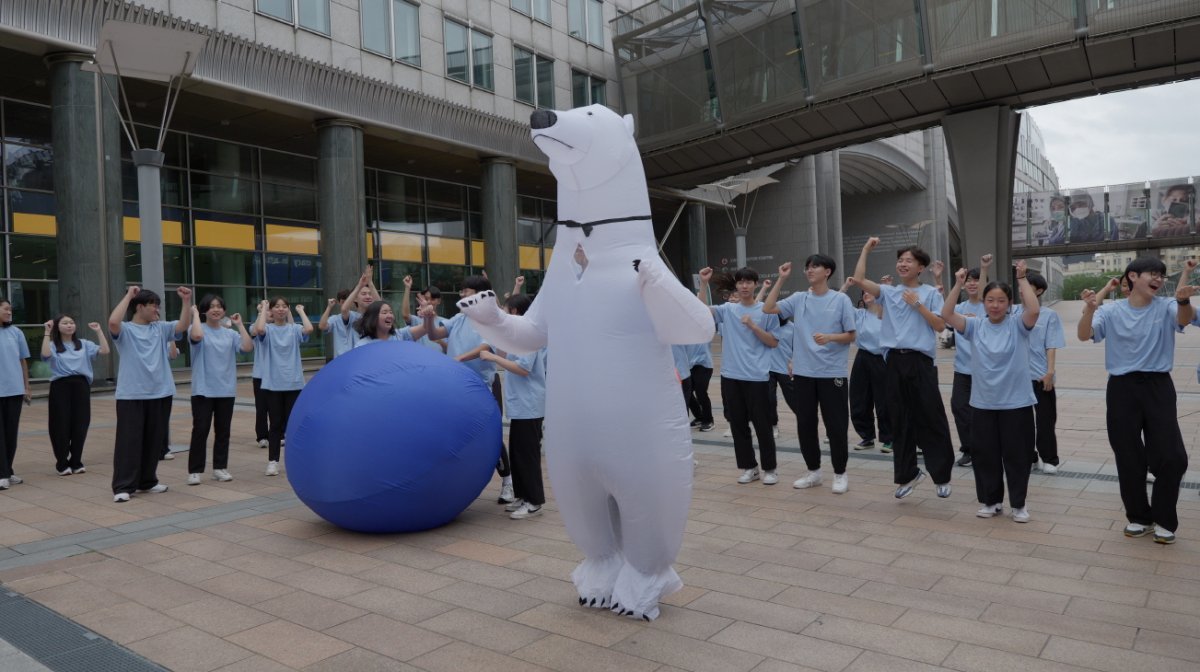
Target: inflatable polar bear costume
{"x":618,"y":445}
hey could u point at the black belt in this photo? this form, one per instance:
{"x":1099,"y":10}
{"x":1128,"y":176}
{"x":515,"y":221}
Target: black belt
{"x":587,"y":226}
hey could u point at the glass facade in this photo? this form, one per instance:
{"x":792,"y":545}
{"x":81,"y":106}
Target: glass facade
{"x":587,"y":90}
{"x":308,"y":14}
{"x":585,"y":20}
{"x":392,"y":28}
{"x":533,"y":78}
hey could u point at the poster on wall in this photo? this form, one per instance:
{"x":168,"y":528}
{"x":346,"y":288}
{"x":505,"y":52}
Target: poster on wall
{"x":1172,"y":205}
{"x":1047,"y":218}
{"x":1128,"y":210}
{"x":1020,"y":220}
{"x":1086,"y":221}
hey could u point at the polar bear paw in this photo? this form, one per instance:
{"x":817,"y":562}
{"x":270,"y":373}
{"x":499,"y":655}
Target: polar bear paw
{"x":648,"y":615}
{"x":481,"y":307}
{"x":595,"y":602}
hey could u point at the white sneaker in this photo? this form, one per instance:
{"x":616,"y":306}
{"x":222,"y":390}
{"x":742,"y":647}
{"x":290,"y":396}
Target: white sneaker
{"x":507,"y":496}
{"x":526,"y":511}
{"x":81,"y":470}
{"x":263,"y":443}
{"x":841,"y":483}
{"x":989,"y":510}
{"x":65,"y":472}
{"x":775,"y":431}
{"x":514,"y":505}
{"x":121,"y":497}
{"x":193,"y":479}
{"x":728,"y":434}
{"x":156,"y":489}
{"x":811,"y":480}
{"x":769,"y":478}
{"x":1049,"y":469}
{"x":273,"y":468}
{"x":16,"y":480}
{"x":169,"y":456}
{"x":943,"y":490}
{"x":5,"y":484}
{"x":748,"y":475}
{"x":1149,"y":477}
{"x":221,"y":475}
{"x":1020,"y":515}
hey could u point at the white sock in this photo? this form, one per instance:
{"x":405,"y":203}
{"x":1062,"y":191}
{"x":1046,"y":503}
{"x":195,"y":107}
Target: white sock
{"x":506,"y":480}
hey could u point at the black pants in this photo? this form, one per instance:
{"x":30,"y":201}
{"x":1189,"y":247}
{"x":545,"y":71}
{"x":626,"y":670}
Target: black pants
{"x":960,"y":407}
{"x":503,"y":467}
{"x":830,"y":395}
{"x":261,"y":426}
{"x":1145,"y":403}
{"x":699,"y":403}
{"x":685,"y":385}
{"x":747,"y":402}
{"x":210,"y":412}
{"x":773,"y":397}
{"x":10,"y":420}
{"x":1000,"y":451}
{"x":1046,"y":416}
{"x":141,"y":433}
{"x":868,"y":391}
{"x":918,"y":417}
{"x":279,"y":408}
{"x":70,"y":417}
{"x":165,"y":448}
{"x":525,"y":449}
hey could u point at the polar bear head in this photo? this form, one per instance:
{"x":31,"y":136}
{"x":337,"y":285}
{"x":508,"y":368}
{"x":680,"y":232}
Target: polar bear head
{"x":587,"y":146}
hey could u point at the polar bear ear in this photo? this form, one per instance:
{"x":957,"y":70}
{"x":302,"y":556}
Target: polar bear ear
{"x":628,"y":119}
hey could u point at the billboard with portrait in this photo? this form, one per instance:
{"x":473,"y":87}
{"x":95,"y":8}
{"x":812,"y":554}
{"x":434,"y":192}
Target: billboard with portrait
{"x":1020,"y":220}
{"x":1128,"y":210}
{"x":1047,"y":218}
{"x":1086,"y":220}
{"x":1172,"y":208}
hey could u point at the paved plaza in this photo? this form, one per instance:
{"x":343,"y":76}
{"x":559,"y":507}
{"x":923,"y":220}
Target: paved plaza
{"x":241,"y":577}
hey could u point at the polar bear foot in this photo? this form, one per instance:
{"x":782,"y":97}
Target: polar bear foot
{"x":482,"y":308}
{"x":596,"y":602}
{"x":633,"y":613}
{"x":636,"y":594}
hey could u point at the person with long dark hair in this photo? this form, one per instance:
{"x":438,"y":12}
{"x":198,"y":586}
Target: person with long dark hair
{"x":868,"y":389}
{"x":14,"y":389}
{"x":960,"y":391}
{"x":214,"y":383}
{"x":70,"y":359}
{"x":378,"y":323}
{"x":283,"y":374}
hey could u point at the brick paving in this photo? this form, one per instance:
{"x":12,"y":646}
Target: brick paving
{"x":239,"y":576}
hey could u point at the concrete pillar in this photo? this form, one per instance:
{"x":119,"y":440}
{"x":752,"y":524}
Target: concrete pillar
{"x":829,"y":211}
{"x":808,"y":215}
{"x":342,"y":206}
{"x":87,"y":183}
{"x":499,"y":202}
{"x":939,"y":209}
{"x":983,"y":151}
{"x":697,"y":236}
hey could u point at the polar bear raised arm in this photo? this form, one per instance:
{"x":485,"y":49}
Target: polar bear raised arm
{"x":678,"y":317}
{"x":519,"y":335}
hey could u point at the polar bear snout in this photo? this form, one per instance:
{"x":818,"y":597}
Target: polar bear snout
{"x":542,"y":119}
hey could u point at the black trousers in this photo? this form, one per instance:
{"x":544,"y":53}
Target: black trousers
{"x":166,"y":439}
{"x":1145,"y":403}
{"x":960,"y":407}
{"x":279,"y":408}
{"x":699,"y":403}
{"x":773,"y":386}
{"x":868,"y":392}
{"x":685,"y":385}
{"x":1000,"y":451}
{"x":10,"y":420}
{"x":503,"y":467}
{"x":830,"y":395}
{"x":918,"y":417}
{"x":1045,"y":417}
{"x":141,"y":433}
{"x":261,"y":426}
{"x":525,"y":451}
{"x":747,"y":402}
{"x":215,"y":413}
{"x":70,"y":416}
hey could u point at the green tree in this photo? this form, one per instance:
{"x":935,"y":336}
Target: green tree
{"x":1073,"y":285}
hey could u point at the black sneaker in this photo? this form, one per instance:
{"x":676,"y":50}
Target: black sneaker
{"x":965,"y":460}
{"x":694,"y":423}
{"x":706,"y":427}
{"x":864,"y":444}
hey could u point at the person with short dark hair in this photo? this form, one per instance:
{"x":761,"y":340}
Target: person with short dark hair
{"x":339,"y":329}
{"x":283,"y":372}
{"x":14,"y":390}
{"x":356,"y":303}
{"x":430,"y":296}
{"x":960,"y":391}
{"x":71,"y":373}
{"x":868,"y":391}
{"x":1044,"y":342}
{"x":701,"y":361}
{"x":145,"y":387}
{"x":214,"y":383}
{"x":1139,"y":353}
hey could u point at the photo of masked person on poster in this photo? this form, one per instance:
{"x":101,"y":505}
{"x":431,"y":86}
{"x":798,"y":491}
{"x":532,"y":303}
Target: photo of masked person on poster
{"x":1086,"y":223}
{"x":1056,"y":224}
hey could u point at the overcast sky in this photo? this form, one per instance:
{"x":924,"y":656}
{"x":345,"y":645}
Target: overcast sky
{"x":1131,"y":136}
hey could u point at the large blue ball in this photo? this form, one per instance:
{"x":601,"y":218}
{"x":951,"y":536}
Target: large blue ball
{"x":392,"y":437}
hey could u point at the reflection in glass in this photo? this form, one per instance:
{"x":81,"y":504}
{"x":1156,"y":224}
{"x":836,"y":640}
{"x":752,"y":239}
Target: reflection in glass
{"x":29,"y":167}
{"x":176,"y":264}
{"x":224,"y":158}
{"x":173,"y":184}
{"x":407,"y":31}
{"x":293,"y":270}
{"x":391,"y":277}
{"x":281,"y":168}
{"x":393,"y":216}
{"x":523,"y":76}
{"x":289,"y":202}
{"x":374,"y":17}
{"x":456,"y":51}
{"x":314,"y":15}
{"x":33,"y":257}
{"x":33,"y":303}
{"x":399,"y":187}
{"x":228,"y":267}
{"x":481,"y":61}
{"x":443,"y":222}
{"x":444,"y":194}
{"x":26,"y":123}
{"x":227,"y":194}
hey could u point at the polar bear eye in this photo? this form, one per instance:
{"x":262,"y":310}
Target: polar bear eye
{"x":589,"y":114}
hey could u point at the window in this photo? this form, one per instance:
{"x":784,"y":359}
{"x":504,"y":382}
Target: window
{"x":534,"y":78}
{"x":392,"y":28}
{"x":309,"y":14}
{"x":472,"y":66}
{"x":538,"y":9}
{"x":587,"y":90}
{"x":585,"y":20}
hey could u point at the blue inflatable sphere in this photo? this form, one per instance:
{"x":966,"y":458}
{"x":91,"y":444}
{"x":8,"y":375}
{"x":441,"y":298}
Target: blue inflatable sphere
{"x":392,"y":437}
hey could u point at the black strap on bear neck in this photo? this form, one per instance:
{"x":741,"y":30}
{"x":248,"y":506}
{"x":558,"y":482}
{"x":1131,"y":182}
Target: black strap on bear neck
{"x":587,"y":226}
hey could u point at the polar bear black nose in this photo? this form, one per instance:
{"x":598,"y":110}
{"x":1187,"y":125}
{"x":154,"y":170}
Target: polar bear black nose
{"x":542,"y":119}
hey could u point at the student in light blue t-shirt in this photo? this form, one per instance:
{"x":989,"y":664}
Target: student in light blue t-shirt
{"x":283,"y":373}
{"x":340,"y":333}
{"x":14,"y":390}
{"x":911,"y":323}
{"x":868,"y":391}
{"x":430,"y":296}
{"x":71,"y":374}
{"x":1001,"y":402}
{"x":701,"y":360}
{"x":960,"y":391}
{"x":1044,"y":342}
{"x":214,"y":383}
{"x":378,"y":324}
{"x":145,"y":387}
{"x":355,"y":304}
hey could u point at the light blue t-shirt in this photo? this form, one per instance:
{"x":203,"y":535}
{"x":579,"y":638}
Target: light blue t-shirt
{"x":782,"y":353}
{"x":903,"y":327}
{"x":464,"y":338}
{"x":962,"y":348}
{"x":680,"y":355}
{"x":256,"y":371}
{"x":342,"y":332}
{"x":866,"y":331}
{"x":525,"y":396}
{"x":282,"y":371}
{"x":700,"y":354}
{"x":214,"y":363}
{"x":13,"y":350}
{"x":414,"y":321}
{"x":1137,"y":339}
{"x":828,"y":313}
{"x":144,"y":371}
{"x":1047,"y":334}
{"x":72,"y":362}
{"x":743,"y":356}
{"x":1000,"y":361}
{"x":400,"y":335}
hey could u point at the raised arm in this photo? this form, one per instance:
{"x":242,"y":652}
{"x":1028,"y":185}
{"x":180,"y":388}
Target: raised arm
{"x":323,"y":325}
{"x":518,"y":285}
{"x":703,"y":292}
{"x":363,"y":281}
{"x":956,"y":320}
{"x":1184,"y":294}
{"x":306,"y":326}
{"x":118,"y":314}
{"x":762,"y":291}
{"x":246,"y":344}
{"x":406,"y":301}
{"x":935,"y":269}
{"x":860,"y":269}
{"x":985,"y":262}
{"x":434,"y":330}
{"x":185,"y":313}
{"x":46,"y":340}
{"x":196,"y":331}
{"x":1090,"y":301}
{"x":503,"y":362}
{"x":100,"y":339}
{"x":1029,"y":300}
{"x":771,"y":306}
{"x":260,"y":324}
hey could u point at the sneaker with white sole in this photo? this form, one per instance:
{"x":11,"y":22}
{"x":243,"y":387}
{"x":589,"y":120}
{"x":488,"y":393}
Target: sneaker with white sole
{"x":168,"y":456}
{"x":770,"y":478}
{"x":1163,"y":536}
{"x":810,"y":480}
{"x":156,"y":489}
{"x":65,"y":472}
{"x":514,"y":505}
{"x":16,"y":480}
{"x":775,"y":432}
{"x":5,"y":484}
{"x":273,"y":468}
{"x":748,"y":475}
{"x":221,"y":475}
{"x":507,"y":495}
{"x":989,"y":510}
{"x":81,"y":470}
{"x":1149,"y":477}
{"x":263,"y":443}
{"x":885,"y":448}
{"x":121,"y":497}
{"x":841,"y":483}
{"x":943,"y":490}
{"x":193,"y":479}
{"x":706,"y":427}
{"x":1136,"y":530}
{"x":907,"y":489}
{"x":1049,"y":469}
{"x":1020,"y":515}
{"x":526,"y":511}
{"x":865,"y":444}
{"x":728,"y":434}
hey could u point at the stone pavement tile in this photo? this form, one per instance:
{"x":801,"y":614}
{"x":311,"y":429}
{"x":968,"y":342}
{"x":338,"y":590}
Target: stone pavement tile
{"x":406,"y":578}
{"x":127,"y":622}
{"x":75,"y":598}
{"x":683,"y":596}
{"x":141,"y":553}
{"x":297,"y":529}
{"x":546,"y":589}
{"x":768,"y":665}
{"x":324,"y":583}
{"x":687,"y":653}
{"x":14,"y":660}
{"x":483,"y":573}
{"x":1152,"y":619}
{"x":794,"y":576}
{"x":871,"y":661}
{"x":744,"y":521}
{"x":172,"y":540}
{"x":1006,"y":594}
{"x":970,"y":658}
{"x":1163,"y":644}
{"x":1177,"y":602}
{"x":1078,"y":558}
{"x":1191,"y":572}
{"x":738,"y":534}
{"x":924,"y":547}
{"x":779,"y":556}
{"x":14,"y":533}
{"x":731,"y":583}
{"x":187,"y":649}
{"x":869,"y":571}
{"x":41,"y":581}
{"x":679,"y":621}
{"x":848,"y":551}
{"x":235,"y":532}
{"x":255,"y":663}
{"x":189,"y":569}
{"x":882,"y":639}
{"x":336,"y":560}
{"x":110,"y":572}
{"x":1006,"y":562}
{"x":308,"y":610}
{"x":388,"y":637}
{"x":563,"y":550}
{"x":288,"y":643}
{"x":541,"y":565}
{"x":1110,"y":592}
{"x":159,"y":592}
{"x":265,"y":565}
{"x":570,"y":655}
{"x":218,"y":616}
{"x":1111,"y":659}
{"x":707,"y":543}
{"x":244,"y":588}
{"x":60,"y":527}
{"x":415,"y":557}
{"x":482,"y":552}
{"x":989,"y":543}
{"x":816,"y":653}
{"x":980,"y":633}
{"x":489,"y":632}
{"x":351,"y":542}
{"x":759,"y":612}
{"x":282,"y":545}
{"x":397,"y":604}
{"x":715,"y":561}
{"x":1048,"y":623}
{"x":461,"y":656}
{"x":493,"y":527}
{"x":360,"y":660}
{"x":576,"y":623}
{"x":965,"y":607}
{"x":1045,"y":539}
{"x":212,"y":549}
{"x":856,"y":608}
{"x":867,"y":527}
